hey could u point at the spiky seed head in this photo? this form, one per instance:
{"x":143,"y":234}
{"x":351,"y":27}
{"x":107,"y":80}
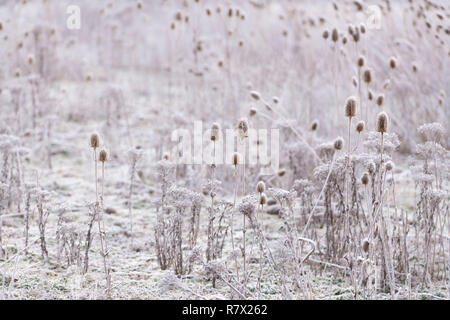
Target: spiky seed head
{"x":95,"y":140}
{"x":215,"y":130}
{"x":360,"y":126}
{"x":262,"y":199}
{"x":389,"y":165}
{"x":235,"y":159}
{"x":351,"y":29}
{"x":362,"y":27}
{"x":255,"y":95}
{"x":367,"y":76}
{"x":350,"y":107}
{"x":339,"y":143}
{"x":382,"y":122}
{"x":335,"y":35}
{"x":103,"y":155}
{"x":365,"y":245}
{"x":325,"y":34}
{"x":253,"y":112}
{"x":242,"y":127}
{"x":260,"y":187}
{"x":365,"y":178}
{"x":392,"y":62}
{"x":314,"y":125}
{"x":360,"y":62}
{"x":356,"y":35}
{"x":380,"y":100}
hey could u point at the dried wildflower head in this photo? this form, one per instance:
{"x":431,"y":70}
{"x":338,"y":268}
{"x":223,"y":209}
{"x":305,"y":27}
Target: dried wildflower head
{"x":367,"y":76}
{"x":215,"y":131}
{"x":365,"y":178}
{"x":365,"y":245}
{"x":94,"y":141}
{"x":380,"y":100}
{"x":389,"y":165}
{"x":103,"y":155}
{"x":242,"y":127}
{"x":314,"y":125}
{"x":362,"y":27}
{"x":235,"y":159}
{"x":325,"y":34}
{"x":360,"y":126}
{"x":246,"y":206}
{"x":382,"y":122}
{"x":334,"y":35}
{"x":338,"y":143}
{"x":262,"y":199}
{"x":392,"y":62}
{"x":344,"y":40}
{"x":360,"y":62}
{"x":255,"y":95}
{"x":260,"y":187}
{"x":350,"y":107}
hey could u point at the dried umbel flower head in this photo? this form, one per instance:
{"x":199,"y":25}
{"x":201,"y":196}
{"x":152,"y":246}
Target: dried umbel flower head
{"x":334,"y":35}
{"x":260,"y":187}
{"x":103,"y":155}
{"x":262,"y":199}
{"x":253,"y":112}
{"x":365,"y":178}
{"x":382,"y":122}
{"x":235,"y":159}
{"x":350,"y":107}
{"x":367,"y":76}
{"x":325,"y":34}
{"x":360,"y":126}
{"x":255,"y":95}
{"x":380,"y":100}
{"x":392,"y":62}
{"x":314,"y":125}
{"x":95,"y":140}
{"x":242,"y":127}
{"x":338,"y":143}
{"x":215,"y":131}
{"x":389,"y":165}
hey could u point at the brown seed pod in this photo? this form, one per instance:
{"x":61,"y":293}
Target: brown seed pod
{"x":370,"y":95}
{"x":365,"y":245}
{"x":281,"y":172}
{"x":382,"y":122}
{"x":95,"y":140}
{"x":103,"y":155}
{"x":350,"y":107}
{"x":360,"y":62}
{"x":338,"y":143}
{"x":263,"y":199}
{"x":253,"y":112}
{"x":367,"y":76}
{"x":365,"y":178}
{"x":260,"y":187}
{"x":235,"y":159}
{"x":215,"y":131}
{"x":166,"y":156}
{"x":392,"y":62}
{"x":380,"y":100}
{"x":314,"y":125}
{"x":255,"y":95}
{"x":360,"y":126}
{"x":325,"y":34}
{"x":334,"y":35}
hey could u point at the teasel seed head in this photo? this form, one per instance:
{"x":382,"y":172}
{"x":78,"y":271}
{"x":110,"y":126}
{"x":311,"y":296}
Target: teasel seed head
{"x":362,"y":27}
{"x":392,"y":62}
{"x":260,"y":187}
{"x":350,"y":107}
{"x":360,"y":126}
{"x":165,"y":156}
{"x":103,"y":155}
{"x":370,"y":95}
{"x":380,"y":100}
{"x":325,"y":34}
{"x":344,"y":40}
{"x":235,"y":159}
{"x":262,"y":199}
{"x":355,"y":82}
{"x":253,"y":112}
{"x":275,"y":100}
{"x":382,"y":122}
{"x":242,"y":128}
{"x":215,"y":131}
{"x":255,"y":95}
{"x":315,"y":125}
{"x":389,"y":165}
{"x":365,"y":178}
{"x":367,"y":76}
{"x":361,"y":61}
{"x":95,"y":140}
{"x":335,"y":35}
{"x":365,"y":245}
{"x":281,"y":172}
{"x":338,"y":143}
{"x":356,"y":35}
